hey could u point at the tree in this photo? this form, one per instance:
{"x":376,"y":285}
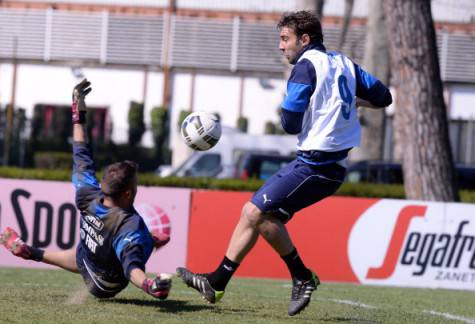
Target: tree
{"x":315,"y":5}
{"x":348,"y":11}
{"x":376,"y":62}
{"x":421,"y":115}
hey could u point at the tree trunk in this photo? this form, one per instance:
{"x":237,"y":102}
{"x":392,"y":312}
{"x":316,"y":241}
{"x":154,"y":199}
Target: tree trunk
{"x":376,"y":62}
{"x":314,"y":5}
{"x":346,"y":23}
{"x":421,"y":116}
{"x":319,"y":8}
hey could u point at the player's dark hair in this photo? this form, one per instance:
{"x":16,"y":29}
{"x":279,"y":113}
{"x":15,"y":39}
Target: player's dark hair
{"x":118,"y":177}
{"x":303,"y":22}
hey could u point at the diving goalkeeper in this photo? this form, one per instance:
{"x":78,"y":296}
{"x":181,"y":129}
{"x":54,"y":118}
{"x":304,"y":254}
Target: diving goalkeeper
{"x":115,"y":243}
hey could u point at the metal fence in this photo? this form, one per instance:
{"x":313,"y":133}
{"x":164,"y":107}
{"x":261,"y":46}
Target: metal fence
{"x":462,"y":11}
{"x":241,"y":5}
{"x":202,"y":43}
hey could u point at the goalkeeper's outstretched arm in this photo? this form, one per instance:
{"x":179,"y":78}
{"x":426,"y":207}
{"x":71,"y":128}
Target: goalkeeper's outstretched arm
{"x":78,"y":110}
{"x":84,"y":177}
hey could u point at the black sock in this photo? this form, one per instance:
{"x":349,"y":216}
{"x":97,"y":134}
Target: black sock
{"x":221,"y":276}
{"x":296,"y":267}
{"x":36,"y":254}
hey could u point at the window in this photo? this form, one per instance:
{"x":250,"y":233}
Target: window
{"x":208,"y":165}
{"x":268,"y":168}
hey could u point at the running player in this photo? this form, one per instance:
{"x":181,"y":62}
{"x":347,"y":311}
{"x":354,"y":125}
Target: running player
{"x":320,"y":107}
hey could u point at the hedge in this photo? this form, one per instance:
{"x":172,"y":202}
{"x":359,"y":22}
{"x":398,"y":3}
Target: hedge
{"x":53,"y":160}
{"x":150,"y":179}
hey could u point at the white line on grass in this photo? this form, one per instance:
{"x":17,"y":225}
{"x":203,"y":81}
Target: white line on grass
{"x":450,"y":316}
{"x":357,"y":304}
{"x":341,"y":301}
{"x":352,"y":303}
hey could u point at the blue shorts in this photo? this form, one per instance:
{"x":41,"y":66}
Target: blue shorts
{"x":296,"y":186}
{"x":98,"y":284}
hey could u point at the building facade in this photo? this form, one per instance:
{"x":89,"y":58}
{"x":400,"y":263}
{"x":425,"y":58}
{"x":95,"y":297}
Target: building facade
{"x":216,"y":56}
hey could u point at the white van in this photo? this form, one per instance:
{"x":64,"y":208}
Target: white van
{"x":220,"y":161}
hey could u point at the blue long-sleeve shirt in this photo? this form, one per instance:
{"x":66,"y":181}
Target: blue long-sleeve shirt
{"x":114,"y":241}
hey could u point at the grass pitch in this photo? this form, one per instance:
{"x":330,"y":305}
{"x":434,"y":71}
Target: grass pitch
{"x":56,"y":296}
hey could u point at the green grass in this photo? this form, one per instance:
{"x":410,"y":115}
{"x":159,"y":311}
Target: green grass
{"x":56,"y":296}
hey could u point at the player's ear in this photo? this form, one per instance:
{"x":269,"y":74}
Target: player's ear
{"x":305,"y":39}
{"x":125,"y":195}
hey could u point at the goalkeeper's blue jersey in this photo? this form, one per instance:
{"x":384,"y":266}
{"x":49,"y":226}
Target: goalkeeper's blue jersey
{"x":113,"y":241}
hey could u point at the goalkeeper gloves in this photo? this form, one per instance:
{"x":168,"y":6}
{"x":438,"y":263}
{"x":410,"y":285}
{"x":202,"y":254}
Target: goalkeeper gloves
{"x":159,"y":287}
{"x":78,"y":107}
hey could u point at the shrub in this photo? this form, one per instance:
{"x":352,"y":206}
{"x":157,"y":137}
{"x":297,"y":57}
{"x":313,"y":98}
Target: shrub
{"x":159,"y":121}
{"x":181,"y":117}
{"x":269,"y":128}
{"x":53,"y":160}
{"x":242,"y":124}
{"x":149,"y":179}
{"x":136,"y":123}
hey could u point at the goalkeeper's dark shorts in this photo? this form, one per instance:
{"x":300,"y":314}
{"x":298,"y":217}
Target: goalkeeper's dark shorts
{"x":296,"y":186}
{"x":97,"y":284}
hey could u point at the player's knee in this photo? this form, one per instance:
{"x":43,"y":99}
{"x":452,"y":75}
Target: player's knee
{"x":252,"y":214}
{"x":99,"y":293}
{"x":100,"y":296}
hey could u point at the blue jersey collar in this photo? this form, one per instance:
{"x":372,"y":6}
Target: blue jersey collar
{"x":311,"y":46}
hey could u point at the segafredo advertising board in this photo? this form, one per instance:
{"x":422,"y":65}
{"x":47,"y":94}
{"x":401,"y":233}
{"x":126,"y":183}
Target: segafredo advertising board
{"x":415,"y":244}
{"x":345,"y":239}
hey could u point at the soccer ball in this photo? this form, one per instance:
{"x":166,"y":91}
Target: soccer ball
{"x":201,"y":131}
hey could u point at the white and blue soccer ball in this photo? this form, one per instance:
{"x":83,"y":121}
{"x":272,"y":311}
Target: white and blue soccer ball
{"x":201,"y":130}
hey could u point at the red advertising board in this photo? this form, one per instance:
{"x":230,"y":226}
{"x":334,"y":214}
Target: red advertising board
{"x":320,"y":234}
{"x":43,"y":212}
{"x":373,"y":241}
